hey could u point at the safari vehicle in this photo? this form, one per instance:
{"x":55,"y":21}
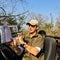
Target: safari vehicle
{"x":14,"y":30}
{"x":7,"y":53}
{"x":5,"y":33}
{"x":51,"y":46}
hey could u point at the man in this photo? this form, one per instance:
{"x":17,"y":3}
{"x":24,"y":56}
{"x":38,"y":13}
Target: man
{"x":34,"y":47}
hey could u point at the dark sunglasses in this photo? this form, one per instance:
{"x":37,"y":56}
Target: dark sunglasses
{"x":32,"y":25}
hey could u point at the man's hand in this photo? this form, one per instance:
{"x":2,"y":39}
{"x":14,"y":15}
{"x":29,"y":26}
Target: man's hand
{"x":20,"y":39}
{"x":13,"y":43}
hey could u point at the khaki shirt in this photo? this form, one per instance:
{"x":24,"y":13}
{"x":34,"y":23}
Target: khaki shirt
{"x":35,"y":41}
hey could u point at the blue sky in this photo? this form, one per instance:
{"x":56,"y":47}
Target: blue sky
{"x":38,"y":6}
{"x":44,"y":7}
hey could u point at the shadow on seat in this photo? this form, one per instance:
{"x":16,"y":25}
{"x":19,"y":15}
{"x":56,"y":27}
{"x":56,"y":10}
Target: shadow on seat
{"x":50,"y":48}
{"x":6,"y":53}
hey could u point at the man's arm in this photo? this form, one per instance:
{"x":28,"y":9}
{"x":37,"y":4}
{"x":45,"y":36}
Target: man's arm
{"x":31,"y":49}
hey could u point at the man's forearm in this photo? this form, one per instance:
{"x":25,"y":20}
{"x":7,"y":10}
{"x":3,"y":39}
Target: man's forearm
{"x":32,"y":50}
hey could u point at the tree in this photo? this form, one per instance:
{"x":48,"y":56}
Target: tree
{"x":9,"y":7}
{"x":21,"y":21}
{"x":57,"y":25}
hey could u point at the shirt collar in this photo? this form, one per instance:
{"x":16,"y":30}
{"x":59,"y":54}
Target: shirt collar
{"x":33,"y":36}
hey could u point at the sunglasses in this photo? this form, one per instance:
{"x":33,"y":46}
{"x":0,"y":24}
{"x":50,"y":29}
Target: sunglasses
{"x":32,"y":25}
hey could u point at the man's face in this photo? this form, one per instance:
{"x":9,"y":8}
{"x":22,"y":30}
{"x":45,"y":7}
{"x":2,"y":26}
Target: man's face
{"x":32,"y":28}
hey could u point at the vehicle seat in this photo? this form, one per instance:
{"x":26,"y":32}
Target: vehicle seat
{"x":50,"y":48}
{"x":6,"y":53}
